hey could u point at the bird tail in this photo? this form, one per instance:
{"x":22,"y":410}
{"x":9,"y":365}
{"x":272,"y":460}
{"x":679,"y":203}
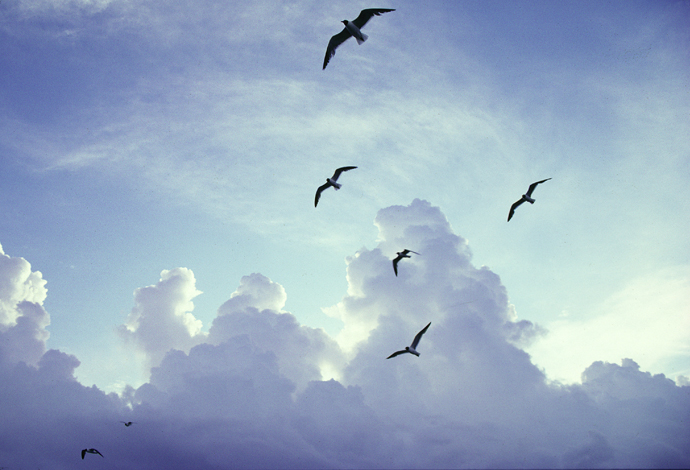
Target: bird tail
{"x":364,"y":38}
{"x":336,"y":186}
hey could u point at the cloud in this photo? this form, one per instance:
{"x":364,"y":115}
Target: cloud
{"x":255,"y":291}
{"x":252,"y":391}
{"x":162,"y":316}
{"x":590,"y":455}
{"x":642,"y":412}
{"x":439,"y":284}
{"x":646,"y":319}
{"x":23,"y":320}
{"x":254,"y":313}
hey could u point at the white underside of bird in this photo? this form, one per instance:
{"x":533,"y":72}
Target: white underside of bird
{"x":356,"y":33}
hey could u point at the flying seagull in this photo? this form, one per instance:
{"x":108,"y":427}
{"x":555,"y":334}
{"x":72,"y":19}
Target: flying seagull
{"x":127,"y":423}
{"x":352,"y":28}
{"x":401,"y":255}
{"x":412,"y":349}
{"x":525,"y":198}
{"x":331,"y":182}
{"x":89,"y":451}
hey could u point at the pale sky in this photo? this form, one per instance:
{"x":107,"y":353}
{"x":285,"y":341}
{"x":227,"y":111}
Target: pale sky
{"x":159,"y":241}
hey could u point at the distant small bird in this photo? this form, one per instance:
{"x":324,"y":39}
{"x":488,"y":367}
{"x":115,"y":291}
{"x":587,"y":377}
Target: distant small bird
{"x":401,"y":255}
{"x":331,"y":182}
{"x":352,"y":28}
{"x":412,"y":349}
{"x":128,"y":423}
{"x":89,"y":451}
{"x":525,"y":198}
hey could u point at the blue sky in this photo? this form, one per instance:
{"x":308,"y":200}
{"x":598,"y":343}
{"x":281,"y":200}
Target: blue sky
{"x":138,"y":137}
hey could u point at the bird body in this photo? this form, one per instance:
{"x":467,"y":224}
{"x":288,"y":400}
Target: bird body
{"x":527,"y":197}
{"x":401,"y":255}
{"x":335,"y":185}
{"x":331,"y":182}
{"x":352,"y":29}
{"x":355,"y":32}
{"x":412,"y":349}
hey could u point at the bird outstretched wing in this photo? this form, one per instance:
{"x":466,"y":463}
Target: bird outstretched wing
{"x":333,"y":44}
{"x":395,"y":264}
{"x":366,"y":15}
{"x":83,"y":453}
{"x":415,"y":342}
{"x":336,"y":175}
{"x":397,"y":353}
{"x":534,"y":185}
{"x":318,"y":192}
{"x":513,"y":207}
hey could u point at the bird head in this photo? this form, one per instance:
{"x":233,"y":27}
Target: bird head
{"x":345,"y":22}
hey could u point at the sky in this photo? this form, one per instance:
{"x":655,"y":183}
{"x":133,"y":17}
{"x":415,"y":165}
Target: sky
{"x":161,"y":260}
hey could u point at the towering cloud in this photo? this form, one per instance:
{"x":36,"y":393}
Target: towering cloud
{"x":254,"y":314}
{"x":23,"y":320}
{"x":162,"y":316}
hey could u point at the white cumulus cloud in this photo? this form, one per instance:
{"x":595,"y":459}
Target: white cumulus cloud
{"x":23,"y":320}
{"x":162,"y":316}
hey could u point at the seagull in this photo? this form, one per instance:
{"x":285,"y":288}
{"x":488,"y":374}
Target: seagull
{"x":352,"y":28}
{"x":127,"y":423}
{"x":331,"y":182}
{"x":411,"y":348}
{"x":89,"y":451}
{"x":401,"y":255}
{"x":525,"y":197}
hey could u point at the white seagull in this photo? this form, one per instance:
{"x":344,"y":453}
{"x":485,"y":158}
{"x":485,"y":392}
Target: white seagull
{"x":331,"y":182}
{"x":352,"y":28}
{"x":412,"y":349}
{"x":401,"y":255}
{"x":89,"y":451}
{"x":525,"y":198}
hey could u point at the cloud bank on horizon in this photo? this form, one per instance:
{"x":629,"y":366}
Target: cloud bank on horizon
{"x":260,"y":390}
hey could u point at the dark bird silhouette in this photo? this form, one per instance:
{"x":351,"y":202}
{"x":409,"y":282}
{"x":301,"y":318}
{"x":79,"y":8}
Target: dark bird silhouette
{"x":352,"y":28}
{"x":128,"y":423}
{"x":331,"y":182}
{"x":401,"y":255}
{"x":412,"y":349}
{"x":525,"y":198}
{"x":89,"y":451}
